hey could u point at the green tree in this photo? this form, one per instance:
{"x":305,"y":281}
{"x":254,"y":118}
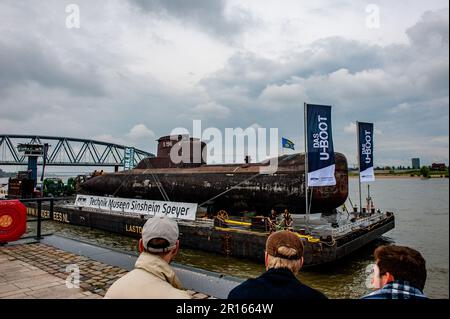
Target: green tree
{"x":425,"y":171}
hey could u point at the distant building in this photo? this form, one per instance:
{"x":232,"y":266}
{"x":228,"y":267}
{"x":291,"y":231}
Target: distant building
{"x":438,"y":167}
{"x":415,"y":163}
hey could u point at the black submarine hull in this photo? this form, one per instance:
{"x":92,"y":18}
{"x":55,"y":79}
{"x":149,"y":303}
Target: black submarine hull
{"x":233,"y":188}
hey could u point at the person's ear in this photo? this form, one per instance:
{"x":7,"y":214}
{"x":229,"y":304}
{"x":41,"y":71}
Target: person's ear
{"x":177,"y":248}
{"x":301,"y":263}
{"x":389,"y":278}
{"x":266,"y":259}
{"x":174,"y":252}
{"x":141,"y":246}
{"x":386,"y":278}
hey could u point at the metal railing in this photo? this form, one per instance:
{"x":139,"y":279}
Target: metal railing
{"x":361,"y":223}
{"x":39,"y":219}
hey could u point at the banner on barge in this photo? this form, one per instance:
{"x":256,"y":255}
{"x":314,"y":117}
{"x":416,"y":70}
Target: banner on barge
{"x":320,"y":150}
{"x":365,"y":152}
{"x":176,"y":210}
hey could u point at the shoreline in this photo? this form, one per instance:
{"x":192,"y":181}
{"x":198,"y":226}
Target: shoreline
{"x":389,"y":176}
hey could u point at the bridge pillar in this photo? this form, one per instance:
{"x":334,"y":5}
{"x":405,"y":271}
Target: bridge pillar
{"x":116,"y":168}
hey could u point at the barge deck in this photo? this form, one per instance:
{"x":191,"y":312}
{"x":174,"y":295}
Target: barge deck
{"x":321,"y":245}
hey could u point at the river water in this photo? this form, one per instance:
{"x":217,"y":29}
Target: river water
{"x":421,"y":208}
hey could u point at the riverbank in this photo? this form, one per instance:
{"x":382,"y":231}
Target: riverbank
{"x":37,"y":271}
{"x":22,"y":280}
{"x":402,"y":175}
{"x":41,"y":271}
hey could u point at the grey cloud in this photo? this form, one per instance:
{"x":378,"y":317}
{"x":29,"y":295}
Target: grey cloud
{"x":210,"y":15}
{"x":58,"y":83}
{"x":248,"y":74}
{"x":245,"y":74}
{"x":30,"y":61}
{"x":362,"y":82}
{"x":331,"y":54}
{"x":341,"y":65}
{"x":431,"y":31}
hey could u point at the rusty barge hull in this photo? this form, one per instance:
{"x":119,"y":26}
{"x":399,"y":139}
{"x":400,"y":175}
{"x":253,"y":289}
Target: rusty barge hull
{"x":240,"y":244}
{"x":241,"y":187}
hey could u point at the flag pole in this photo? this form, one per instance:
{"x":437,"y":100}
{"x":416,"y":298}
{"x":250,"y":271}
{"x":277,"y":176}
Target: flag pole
{"x":359,"y":165}
{"x":306,"y":164}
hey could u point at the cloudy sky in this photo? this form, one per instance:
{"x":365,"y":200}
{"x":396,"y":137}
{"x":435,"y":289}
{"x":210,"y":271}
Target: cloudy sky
{"x":135,"y":69}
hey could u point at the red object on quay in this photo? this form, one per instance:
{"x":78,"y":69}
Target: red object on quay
{"x":13,"y":220}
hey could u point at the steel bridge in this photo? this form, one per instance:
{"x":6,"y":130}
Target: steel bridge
{"x":65,"y":151}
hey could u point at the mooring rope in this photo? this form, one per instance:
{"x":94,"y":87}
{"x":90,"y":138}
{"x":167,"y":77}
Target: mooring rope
{"x":166,"y":197}
{"x":242,"y":182}
{"x":155,"y":179}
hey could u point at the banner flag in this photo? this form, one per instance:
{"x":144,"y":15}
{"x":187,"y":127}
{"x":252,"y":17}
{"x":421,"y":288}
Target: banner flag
{"x":176,"y":210}
{"x":321,"y":161}
{"x":287,"y":143}
{"x":365,"y":151}
{"x":128,"y":158}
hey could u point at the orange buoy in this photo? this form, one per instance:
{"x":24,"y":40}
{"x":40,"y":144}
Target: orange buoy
{"x":13,"y":220}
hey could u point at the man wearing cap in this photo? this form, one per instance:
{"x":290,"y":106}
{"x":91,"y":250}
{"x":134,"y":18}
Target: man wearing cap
{"x":152,"y":277}
{"x":283,"y":259}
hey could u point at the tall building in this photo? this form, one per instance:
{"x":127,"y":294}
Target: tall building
{"x":415,"y":163}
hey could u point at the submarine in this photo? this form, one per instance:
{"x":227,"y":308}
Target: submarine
{"x":235,"y":188}
{"x":236,"y":204}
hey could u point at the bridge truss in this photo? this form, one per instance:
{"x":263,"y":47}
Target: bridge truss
{"x":65,"y":151}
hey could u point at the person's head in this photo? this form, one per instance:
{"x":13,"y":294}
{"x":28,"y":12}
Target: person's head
{"x":284,"y":249}
{"x":160,"y":237}
{"x":399,"y":263}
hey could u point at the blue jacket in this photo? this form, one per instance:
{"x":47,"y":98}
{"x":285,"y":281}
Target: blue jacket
{"x":396,"y":290}
{"x":275,"y":284}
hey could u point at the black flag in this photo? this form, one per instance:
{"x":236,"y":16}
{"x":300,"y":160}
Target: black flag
{"x":321,"y":162}
{"x":365,"y":149}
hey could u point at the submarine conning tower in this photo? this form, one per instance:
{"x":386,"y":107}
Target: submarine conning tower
{"x":177,"y":151}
